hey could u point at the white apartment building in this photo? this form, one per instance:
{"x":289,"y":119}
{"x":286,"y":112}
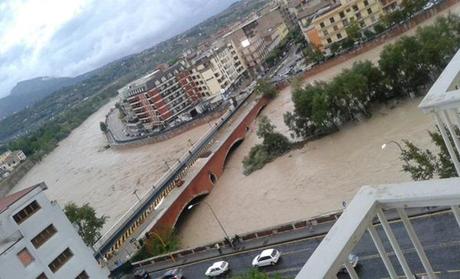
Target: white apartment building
{"x":37,"y":241}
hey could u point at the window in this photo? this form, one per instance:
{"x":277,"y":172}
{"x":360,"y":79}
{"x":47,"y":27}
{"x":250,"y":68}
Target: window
{"x":366,"y":3}
{"x":369,"y":11}
{"x":355,"y":8}
{"x":43,"y":236}
{"x":321,"y":24}
{"x":331,"y":20}
{"x":60,"y":260}
{"x":264,"y":258}
{"x":336,"y":27}
{"x":26,"y":212}
{"x":42,"y":276}
{"x":358,"y":15}
{"x":329,"y":40}
{"x":342,"y":14}
{"x":25,"y":257}
{"x":82,"y":275}
{"x":347,"y":10}
{"x":325,"y":33}
{"x":339,"y":36}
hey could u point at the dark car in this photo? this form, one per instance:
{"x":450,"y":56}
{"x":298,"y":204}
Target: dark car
{"x":173,"y":274}
{"x":141,"y":274}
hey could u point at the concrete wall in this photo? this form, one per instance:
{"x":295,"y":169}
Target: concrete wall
{"x":19,"y":172}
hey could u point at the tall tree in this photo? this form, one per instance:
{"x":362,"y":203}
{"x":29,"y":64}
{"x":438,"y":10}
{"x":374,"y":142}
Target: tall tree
{"x":89,"y":225}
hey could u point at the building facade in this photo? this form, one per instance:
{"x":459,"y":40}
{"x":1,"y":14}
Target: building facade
{"x":160,"y":98}
{"x":37,"y":241}
{"x":10,"y":159}
{"x":254,"y":39}
{"x":216,"y":70}
{"x":328,"y":24}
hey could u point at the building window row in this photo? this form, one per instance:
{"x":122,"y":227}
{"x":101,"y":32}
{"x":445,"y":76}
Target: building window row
{"x":26,"y":212}
{"x":82,"y":275}
{"x":43,"y":236}
{"x":60,"y":260}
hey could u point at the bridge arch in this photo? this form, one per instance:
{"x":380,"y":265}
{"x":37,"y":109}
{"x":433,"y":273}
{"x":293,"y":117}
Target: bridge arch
{"x":259,"y":110}
{"x":182,"y":216}
{"x":235,"y":144}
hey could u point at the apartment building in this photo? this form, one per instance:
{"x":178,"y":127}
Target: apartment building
{"x":216,"y":70}
{"x":161,"y":98}
{"x":328,"y":24}
{"x":254,"y":39}
{"x":10,"y":159}
{"x":37,"y":241}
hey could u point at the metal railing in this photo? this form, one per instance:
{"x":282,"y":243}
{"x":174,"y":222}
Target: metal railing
{"x":366,"y":209}
{"x":443,"y":101}
{"x":108,"y":240}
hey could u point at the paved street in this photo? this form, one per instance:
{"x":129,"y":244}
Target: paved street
{"x":438,"y":232}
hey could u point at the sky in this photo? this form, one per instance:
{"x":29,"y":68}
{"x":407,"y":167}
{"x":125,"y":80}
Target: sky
{"x":71,"y":37}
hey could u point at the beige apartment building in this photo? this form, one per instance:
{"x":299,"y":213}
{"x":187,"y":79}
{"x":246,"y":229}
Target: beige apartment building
{"x":327,"y":25}
{"x":216,"y":70}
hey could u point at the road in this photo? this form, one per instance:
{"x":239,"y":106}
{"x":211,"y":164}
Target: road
{"x":438,"y":232}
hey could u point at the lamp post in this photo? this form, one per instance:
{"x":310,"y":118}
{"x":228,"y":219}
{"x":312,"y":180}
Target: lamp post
{"x":393,"y":142}
{"x":137,"y":196}
{"x":215,"y":217}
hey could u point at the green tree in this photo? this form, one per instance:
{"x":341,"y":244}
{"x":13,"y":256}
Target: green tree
{"x":313,"y":54}
{"x":103,"y":127}
{"x":425,"y":164}
{"x":353,"y":31}
{"x":256,"y":274}
{"x":266,"y":89}
{"x":89,"y":225}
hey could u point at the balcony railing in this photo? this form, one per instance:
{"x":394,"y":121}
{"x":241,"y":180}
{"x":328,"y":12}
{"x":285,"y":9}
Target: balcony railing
{"x":367,"y":207}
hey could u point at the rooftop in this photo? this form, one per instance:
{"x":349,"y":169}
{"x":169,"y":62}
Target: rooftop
{"x":7,"y":201}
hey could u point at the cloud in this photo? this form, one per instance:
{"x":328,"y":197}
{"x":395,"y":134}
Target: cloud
{"x":67,"y":38}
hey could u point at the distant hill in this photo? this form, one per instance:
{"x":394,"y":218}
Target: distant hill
{"x":28,"y":92}
{"x":94,"y":88}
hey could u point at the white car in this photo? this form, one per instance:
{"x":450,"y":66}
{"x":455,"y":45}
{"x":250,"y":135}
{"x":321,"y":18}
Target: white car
{"x":217,"y":268}
{"x":428,"y":6}
{"x":267,"y":257}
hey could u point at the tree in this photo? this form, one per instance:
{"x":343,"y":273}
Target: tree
{"x":313,"y":54}
{"x":256,"y":274}
{"x":353,"y":31}
{"x":265,"y":127}
{"x":424,"y":164}
{"x":266,"y":89}
{"x":103,"y":126}
{"x":89,"y":225}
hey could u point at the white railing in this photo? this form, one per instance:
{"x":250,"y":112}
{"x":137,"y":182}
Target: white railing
{"x":369,"y":204}
{"x":443,"y":101}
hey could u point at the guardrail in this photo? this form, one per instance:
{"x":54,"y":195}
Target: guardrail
{"x":104,"y":244}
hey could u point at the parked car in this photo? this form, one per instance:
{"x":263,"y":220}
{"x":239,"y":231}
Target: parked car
{"x":141,"y":274}
{"x":267,"y":257}
{"x":217,"y":268}
{"x":353,"y":260}
{"x":428,"y":6}
{"x":173,"y":274}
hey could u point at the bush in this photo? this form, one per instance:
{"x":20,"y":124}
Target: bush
{"x":274,"y":144}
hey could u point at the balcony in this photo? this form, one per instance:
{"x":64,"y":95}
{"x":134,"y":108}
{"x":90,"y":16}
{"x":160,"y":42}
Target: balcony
{"x":371,"y":206}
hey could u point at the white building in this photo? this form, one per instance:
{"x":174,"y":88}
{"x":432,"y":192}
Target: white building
{"x":37,"y":240}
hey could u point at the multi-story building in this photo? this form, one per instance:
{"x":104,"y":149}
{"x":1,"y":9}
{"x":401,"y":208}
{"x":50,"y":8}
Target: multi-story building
{"x":217,"y":69}
{"x":37,"y":241}
{"x":10,"y":159}
{"x":158,"y":99}
{"x":254,"y":39}
{"x":328,"y":24}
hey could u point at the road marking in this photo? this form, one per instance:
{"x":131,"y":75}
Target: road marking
{"x":454,"y":271}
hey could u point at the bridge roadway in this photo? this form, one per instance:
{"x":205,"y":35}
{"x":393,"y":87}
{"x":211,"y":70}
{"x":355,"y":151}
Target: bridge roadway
{"x":438,"y":233}
{"x":159,"y":209}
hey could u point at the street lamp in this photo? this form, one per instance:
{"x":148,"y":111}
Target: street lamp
{"x":137,"y":196}
{"x":215,"y":217}
{"x":393,"y":142}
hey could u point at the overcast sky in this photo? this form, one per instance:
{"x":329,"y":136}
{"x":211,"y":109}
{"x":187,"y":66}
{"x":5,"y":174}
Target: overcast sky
{"x":70,"y":37}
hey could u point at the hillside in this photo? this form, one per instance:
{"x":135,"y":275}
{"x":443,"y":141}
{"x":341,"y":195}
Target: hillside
{"x":67,"y":107}
{"x":27,"y":92}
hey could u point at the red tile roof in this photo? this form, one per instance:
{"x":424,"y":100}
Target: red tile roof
{"x":5,"y":202}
